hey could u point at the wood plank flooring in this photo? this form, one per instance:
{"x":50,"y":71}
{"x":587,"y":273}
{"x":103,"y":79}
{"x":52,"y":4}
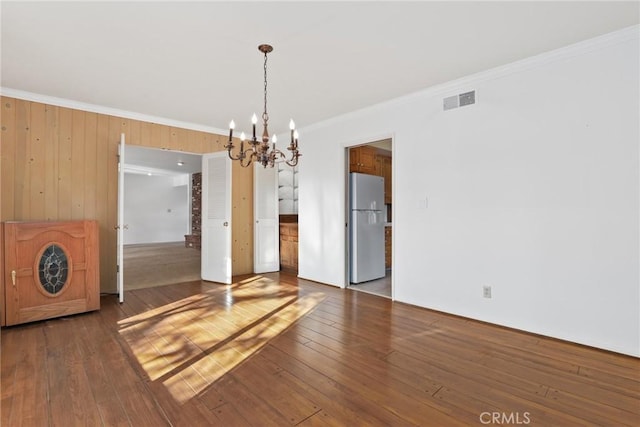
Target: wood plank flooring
{"x":274,"y":350}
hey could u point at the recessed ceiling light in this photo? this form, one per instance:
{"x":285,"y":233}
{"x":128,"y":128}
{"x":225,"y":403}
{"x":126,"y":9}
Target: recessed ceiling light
{"x":148,"y":173}
{"x":180,"y":163}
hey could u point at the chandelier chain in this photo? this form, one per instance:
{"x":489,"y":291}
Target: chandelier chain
{"x":265,"y":116}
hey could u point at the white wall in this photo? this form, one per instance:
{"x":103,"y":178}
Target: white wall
{"x":155,"y":209}
{"x":534,"y":190}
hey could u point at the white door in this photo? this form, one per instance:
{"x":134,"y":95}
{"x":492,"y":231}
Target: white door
{"x":216,"y":218}
{"x":120,"y":226}
{"x":266,"y":252}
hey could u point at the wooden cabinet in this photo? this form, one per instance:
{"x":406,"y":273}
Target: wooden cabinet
{"x":387,"y":247}
{"x":289,"y":246}
{"x":385,"y":162}
{"x":50,"y":269}
{"x":383,"y":169}
{"x":363,"y":160}
{"x":366,"y":159}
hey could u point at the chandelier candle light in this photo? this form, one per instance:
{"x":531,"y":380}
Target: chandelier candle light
{"x":261,"y":151}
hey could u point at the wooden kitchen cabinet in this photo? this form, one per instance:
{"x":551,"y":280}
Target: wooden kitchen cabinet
{"x":369,"y":160}
{"x":385,"y":162}
{"x":363,"y":160}
{"x":387,"y":247}
{"x":289,"y":246}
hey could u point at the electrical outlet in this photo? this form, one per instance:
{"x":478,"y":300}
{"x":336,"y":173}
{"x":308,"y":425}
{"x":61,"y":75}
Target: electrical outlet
{"x":486,"y":291}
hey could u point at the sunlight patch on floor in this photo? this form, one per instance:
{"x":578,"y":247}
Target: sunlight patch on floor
{"x":189,"y":344}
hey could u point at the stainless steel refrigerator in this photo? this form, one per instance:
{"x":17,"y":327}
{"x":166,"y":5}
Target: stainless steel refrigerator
{"x":367,"y":227}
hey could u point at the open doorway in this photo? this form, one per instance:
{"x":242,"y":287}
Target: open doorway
{"x":161,"y":213}
{"x":288,"y":217}
{"x":369,"y":235}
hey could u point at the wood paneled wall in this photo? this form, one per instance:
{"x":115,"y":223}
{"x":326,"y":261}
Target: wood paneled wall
{"x":242,"y":221}
{"x":61,"y":164}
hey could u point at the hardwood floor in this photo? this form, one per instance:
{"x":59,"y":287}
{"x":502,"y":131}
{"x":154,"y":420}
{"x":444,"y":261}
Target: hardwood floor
{"x":273,"y":350}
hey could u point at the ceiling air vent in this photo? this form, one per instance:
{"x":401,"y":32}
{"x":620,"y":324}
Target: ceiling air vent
{"x":460,"y":100}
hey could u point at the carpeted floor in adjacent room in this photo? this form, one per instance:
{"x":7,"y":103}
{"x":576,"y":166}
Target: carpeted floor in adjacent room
{"x":157,"y":264}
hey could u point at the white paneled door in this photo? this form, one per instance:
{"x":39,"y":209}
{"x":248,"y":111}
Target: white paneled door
{"x":216,"y":218}
{"x":266,"y":257}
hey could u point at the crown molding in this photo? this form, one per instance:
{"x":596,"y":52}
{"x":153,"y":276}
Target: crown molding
{"x":453,"y":86}
{"x":583,"y":47}
{"x":93,"y":108}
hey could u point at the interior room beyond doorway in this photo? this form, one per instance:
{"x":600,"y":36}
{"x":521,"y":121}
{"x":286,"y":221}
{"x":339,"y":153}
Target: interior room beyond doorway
{"x":161,"y":214}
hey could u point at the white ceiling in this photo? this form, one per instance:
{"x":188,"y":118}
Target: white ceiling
{"x":198,"y":63}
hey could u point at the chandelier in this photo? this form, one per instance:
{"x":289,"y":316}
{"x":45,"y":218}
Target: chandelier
{"x":261,"y":151}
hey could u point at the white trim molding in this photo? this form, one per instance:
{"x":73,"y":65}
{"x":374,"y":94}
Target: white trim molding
{"x":93,"y":108}
{"x":616,"y":37}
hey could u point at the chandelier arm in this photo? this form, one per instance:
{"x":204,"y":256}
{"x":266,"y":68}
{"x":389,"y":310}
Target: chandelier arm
{"x":249,"y":154}
{"x":293,"y":157}
{"x":293,"y":162}
{"x":246,"y":165}
{"x":230,"y":147}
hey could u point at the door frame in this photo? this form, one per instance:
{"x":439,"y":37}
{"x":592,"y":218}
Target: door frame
{"x":121,"y":227}
{"x":347,"y":211}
